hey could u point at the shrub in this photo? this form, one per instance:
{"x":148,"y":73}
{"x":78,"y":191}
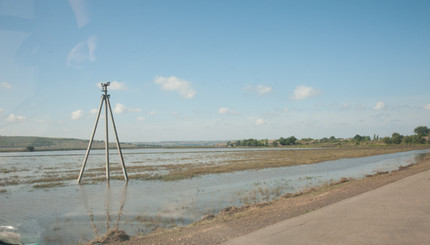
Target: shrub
{"x":29,"y":148}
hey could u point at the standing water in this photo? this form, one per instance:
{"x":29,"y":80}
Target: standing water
{"x":69,"y":213}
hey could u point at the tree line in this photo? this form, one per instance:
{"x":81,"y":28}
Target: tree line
{"x":264,"y":142}
{"x":421,"y":136}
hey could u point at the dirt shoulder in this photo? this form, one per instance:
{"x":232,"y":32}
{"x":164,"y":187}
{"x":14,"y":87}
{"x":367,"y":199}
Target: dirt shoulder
{"x":234,"y":222}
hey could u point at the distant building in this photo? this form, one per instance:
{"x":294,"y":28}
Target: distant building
{"x":221,"y":145}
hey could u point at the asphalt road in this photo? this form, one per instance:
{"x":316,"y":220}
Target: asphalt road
{"x":398,"y":213}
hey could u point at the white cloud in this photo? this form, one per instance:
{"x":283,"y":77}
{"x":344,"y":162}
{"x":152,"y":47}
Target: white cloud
{"x":427,"y":107}
{"x":379,"y":106}
{"x":172,"y":83}
{"x":224,"y":110}
{"x":304,"y":92}
{"x":263,"y":90}
{"x":94,"y":111}
{"x":77,"y":114}
{"x":260,"y":90}
{"x":77,"y":54}
{"x":92,"y":48}
{"x":120,"y":108}
{"x":259,"y":122}
{"x":13,"y":118}
{"x":286,"y":109}
{"x":114,"y":85}
{"x":82,"y":52}
{"x":141,"y":119}
{"x":5,"y":85}
{"x":80,"y":10}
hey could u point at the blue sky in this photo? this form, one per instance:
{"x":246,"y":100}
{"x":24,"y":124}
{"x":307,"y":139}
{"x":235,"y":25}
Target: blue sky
{"x":215,"y":70}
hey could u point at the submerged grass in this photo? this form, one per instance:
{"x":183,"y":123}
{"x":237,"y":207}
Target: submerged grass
{"x":254,"y":160}
{"x":199,"y":164}
{"x":49,"y":185}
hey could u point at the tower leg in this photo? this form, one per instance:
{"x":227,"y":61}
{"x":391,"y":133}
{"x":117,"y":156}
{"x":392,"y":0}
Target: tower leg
{"x":91,"y":141}
{"x":107,"y":137}
{"x":117,"y":142}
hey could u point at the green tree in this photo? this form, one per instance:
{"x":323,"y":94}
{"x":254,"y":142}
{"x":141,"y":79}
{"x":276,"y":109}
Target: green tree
{"x":324,"y":140}
{"x":332,"y":139}
{"x":417,"y":139}
{"x":288,"y":141}
{"x":407,"y":140}
{"x":413,"y":139}
{"x":396,"y":138}
{"x":292,"y":140}
{"x":358,"y":138}
{"x":250,"y":142}
{"x":386,"y":140}
{"x":422,"y":131}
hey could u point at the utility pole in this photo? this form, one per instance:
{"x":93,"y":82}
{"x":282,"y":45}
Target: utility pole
{"x":105,"y":100}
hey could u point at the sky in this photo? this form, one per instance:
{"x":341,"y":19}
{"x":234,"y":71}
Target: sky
{"x":215,"y":70}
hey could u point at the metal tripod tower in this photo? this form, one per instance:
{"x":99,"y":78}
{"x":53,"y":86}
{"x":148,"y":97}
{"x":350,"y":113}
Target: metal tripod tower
{"x":105,"y":99}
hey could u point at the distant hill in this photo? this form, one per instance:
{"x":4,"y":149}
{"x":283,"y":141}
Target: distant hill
{"x":20,"y":143}
{"x":30,"y":143}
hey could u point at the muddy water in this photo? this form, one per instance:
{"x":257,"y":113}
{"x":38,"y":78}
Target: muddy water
{"x":71,"y":213}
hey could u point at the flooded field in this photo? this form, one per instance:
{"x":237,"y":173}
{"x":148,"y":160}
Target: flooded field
{"x":39,"y":195}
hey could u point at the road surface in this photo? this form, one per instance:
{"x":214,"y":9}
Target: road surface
{"x":397,"y":213}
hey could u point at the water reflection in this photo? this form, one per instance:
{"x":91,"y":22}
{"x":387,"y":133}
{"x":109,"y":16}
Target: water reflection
{"x":112,"y":222}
